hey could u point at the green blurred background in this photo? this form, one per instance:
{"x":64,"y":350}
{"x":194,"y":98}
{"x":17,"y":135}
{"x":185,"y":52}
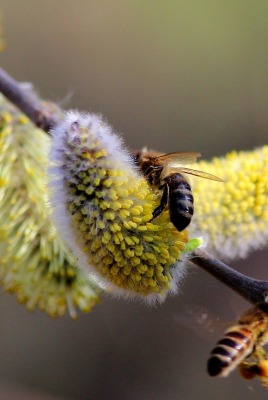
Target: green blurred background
{"x":173,"y":75}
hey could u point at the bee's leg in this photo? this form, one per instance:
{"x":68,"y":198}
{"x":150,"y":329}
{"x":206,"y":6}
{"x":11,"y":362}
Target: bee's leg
{"x":259,"y":367}
{"x":163,"y":201}
{"x":248,"y":370}
{"x":153,"y":168}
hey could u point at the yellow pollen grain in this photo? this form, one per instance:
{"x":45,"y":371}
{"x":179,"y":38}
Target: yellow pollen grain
{"x":88,"y":191}
{"x":137,"y":220}
{"x":112,"y":195}
{"x":141,"y":268}
{"x":106,"y":237}
{"x":126,"y":203}
{"x":152,"y":282}
{"x":104,"y":205}
{"x":107,"y":182}
{"x":127,"y":270}
{"x":109,"y":215}
{"x":136,"y":210}
{"x":141,"y":228}
{"x":101,"y":224}
{"x":129,"y":241}
{"x":116,"y":205}
{"x":99,"y":154}
{"x":148,"y":238}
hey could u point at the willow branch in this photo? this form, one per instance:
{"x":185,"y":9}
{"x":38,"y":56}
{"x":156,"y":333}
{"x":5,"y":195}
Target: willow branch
{"x":253,"y":290}
{"x":44,"y":117}
{"x":37,"y":111}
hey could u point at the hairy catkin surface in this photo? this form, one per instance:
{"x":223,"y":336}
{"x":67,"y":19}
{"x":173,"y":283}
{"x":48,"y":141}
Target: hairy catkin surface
{"x":103,"y":210}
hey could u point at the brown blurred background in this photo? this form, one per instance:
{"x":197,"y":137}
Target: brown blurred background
{"x":174,"y":75}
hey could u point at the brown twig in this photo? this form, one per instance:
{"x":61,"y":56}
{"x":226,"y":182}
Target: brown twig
{"x":44,"y":117}
{"x":27,"y":102}
{"x":253,"y":290}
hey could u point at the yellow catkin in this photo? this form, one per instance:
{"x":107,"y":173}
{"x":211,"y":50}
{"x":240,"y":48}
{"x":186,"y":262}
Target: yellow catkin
{"x":233,"y":216}
{"x":33,"y":262}
{"x":114,"y":238}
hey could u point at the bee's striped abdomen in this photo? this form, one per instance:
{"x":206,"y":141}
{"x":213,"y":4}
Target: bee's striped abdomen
{"x":181,"y":201}
{"x":233,"y":348}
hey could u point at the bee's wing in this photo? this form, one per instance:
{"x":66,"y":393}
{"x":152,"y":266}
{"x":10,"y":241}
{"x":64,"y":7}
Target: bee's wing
{"x":195,"y":172}
{"x":180,"y":158}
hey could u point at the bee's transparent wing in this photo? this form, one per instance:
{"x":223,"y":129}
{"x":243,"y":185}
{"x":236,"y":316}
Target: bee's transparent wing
{"x":179,"y":158}
{"x":195,"y":172}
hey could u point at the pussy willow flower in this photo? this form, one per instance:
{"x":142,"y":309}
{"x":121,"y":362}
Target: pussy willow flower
{"x":33,"y":262}
{"x":233,"y":216}
{"x":103,"y":211}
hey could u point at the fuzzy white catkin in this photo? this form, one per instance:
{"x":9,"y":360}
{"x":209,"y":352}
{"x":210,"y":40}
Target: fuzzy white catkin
{"x":102,"y":208}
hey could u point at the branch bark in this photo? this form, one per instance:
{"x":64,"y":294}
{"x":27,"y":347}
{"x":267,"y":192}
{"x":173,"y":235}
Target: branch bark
{"x":253,"y":290}
{"x":44,"y":117}
{"x":36,"y":110}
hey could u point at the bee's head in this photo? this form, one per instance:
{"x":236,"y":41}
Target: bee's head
{"x":142,"y":160}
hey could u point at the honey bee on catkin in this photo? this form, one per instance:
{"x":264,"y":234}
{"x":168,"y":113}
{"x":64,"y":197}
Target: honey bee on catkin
{"x":167,"y":172}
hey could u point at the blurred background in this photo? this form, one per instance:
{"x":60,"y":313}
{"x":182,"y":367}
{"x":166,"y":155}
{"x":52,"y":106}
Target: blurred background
{"x":173,"y":75}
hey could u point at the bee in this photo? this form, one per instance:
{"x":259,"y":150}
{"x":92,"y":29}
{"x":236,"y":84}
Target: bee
{"x":167,"y":173}
{"x":241,"y":343}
